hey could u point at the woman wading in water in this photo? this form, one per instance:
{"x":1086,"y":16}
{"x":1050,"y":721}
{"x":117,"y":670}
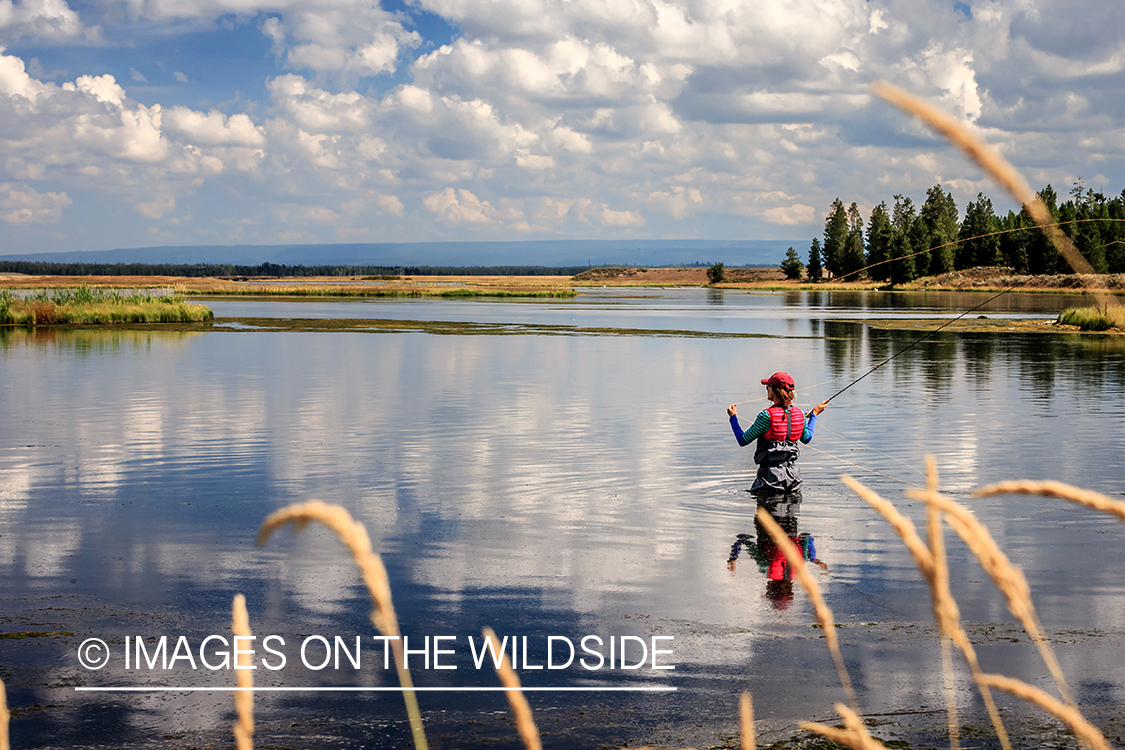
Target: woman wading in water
{"x":777,"y":430}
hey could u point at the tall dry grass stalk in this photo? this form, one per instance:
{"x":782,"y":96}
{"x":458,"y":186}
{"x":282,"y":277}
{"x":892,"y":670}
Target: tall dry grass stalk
{"x":243,"y":699}
{"x":1049,"y":488}
{"x":354,"y":537}
{"x":945,"y":608}
{"x":1084,"y":730}
{"x":746,"y":720}
{"x":4,"y":717}
{"x":808,"y":583}
{"x":994,"y":164}
{"x":946,"y":614}
{"x":1007,"y":578}
{"x":854,"y":735}
{"x":521,"y":710}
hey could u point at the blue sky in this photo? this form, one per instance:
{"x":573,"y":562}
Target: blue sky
{"x":129,"y":123}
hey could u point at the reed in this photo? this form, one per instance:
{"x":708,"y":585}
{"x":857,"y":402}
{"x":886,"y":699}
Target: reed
{"x":243,"y":698}
{"x":4,"y":717}
{"x":354,"y":536}
{"x":1084,"y":730}
{"x":1094,"y":318}
{"x":808,"y":583}
{"x":946,"y":613}
{"x":746,"y":720}
{"x":86,"y":306}
{"x":1050,"y":488}
{"x":1007,"y":578}
{"x":521,"y":710}
{"x":854,"y":735}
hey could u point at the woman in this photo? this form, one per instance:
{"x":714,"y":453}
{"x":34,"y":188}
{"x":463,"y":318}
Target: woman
{"x":777,"y":430}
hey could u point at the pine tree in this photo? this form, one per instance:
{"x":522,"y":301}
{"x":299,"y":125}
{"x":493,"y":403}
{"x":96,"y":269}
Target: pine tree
{"x":1013,"y":244}
{"x":976,"y":248}
{"x":835,"y":237}
{"x":854,"y":254}
{"x":1115,"y":247}
{"x":879,"y":236}
{"x":1041,"y":254}
{"x":939,"y":215}
{"x":792,"y":265}
{"x":901,"y":265}
{"x":815,"y":269}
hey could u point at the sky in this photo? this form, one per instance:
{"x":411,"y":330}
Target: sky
{"x":135,"y":123}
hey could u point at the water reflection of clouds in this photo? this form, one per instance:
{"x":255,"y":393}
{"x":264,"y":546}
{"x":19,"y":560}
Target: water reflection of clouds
{"x":591,"y":479}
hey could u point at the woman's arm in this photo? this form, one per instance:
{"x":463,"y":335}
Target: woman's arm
{"x":761,"y":424}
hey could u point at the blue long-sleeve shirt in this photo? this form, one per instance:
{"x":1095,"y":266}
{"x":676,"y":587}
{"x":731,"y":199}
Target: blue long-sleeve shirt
{"x":762,"y":424}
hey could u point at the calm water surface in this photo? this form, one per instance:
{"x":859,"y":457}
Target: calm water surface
{"x":543,"y":485}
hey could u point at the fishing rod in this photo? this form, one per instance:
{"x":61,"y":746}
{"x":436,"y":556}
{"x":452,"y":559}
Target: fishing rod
{"x":953,"y":320}
{"x":919,"y":341}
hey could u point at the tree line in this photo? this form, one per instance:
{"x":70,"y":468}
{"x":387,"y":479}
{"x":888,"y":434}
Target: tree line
{"x":270,"y":270}
{"x":909,"y":241}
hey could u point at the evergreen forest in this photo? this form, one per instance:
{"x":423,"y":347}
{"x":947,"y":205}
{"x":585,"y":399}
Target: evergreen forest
{"x":905,"y":241}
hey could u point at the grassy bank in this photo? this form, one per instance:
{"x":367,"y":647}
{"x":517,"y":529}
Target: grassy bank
{"x":1111,"y":317}
{"x":86,"y":306}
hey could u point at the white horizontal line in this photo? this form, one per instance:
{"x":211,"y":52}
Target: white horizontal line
{"x":231,"y":689}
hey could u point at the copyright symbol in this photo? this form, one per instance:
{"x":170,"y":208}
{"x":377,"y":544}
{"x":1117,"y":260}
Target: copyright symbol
{"x":93,"y":653}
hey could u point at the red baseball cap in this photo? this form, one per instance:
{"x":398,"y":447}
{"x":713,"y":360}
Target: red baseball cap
{"x":779,"y":379}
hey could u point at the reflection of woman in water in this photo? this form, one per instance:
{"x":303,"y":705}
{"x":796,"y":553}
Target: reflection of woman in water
{"x":769,"y":557}
{"x":777,"y":430}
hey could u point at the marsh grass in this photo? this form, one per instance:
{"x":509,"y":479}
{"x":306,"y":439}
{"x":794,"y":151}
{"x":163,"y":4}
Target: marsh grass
{"x":1094,"y":318}
{"x":87,"y":306}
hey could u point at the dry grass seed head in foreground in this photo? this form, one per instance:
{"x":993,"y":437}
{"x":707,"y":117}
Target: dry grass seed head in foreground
{"x":243,"y":699}
{"x":854,"y":736}
{"x":1084,"y":730}
{"x":1049,"y":488}
{"x":823,"y":613}
{"x":4,"y":715}
{"x":1006,"y":576}
{"x":945,"y":609}
{"x":521,"y":710}
{"x":746,"y":720}
{"x":354,"y":537}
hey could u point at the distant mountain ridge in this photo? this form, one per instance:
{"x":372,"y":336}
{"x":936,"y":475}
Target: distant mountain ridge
{"x":530,"y":253}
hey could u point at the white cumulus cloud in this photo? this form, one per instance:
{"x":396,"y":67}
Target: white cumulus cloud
{"x":21,"y":204}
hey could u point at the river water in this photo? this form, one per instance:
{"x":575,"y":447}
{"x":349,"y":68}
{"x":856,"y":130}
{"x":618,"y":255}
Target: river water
{"x":552,"y":469}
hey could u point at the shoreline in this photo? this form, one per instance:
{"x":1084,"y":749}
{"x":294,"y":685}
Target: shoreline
{"x":754,"y":279}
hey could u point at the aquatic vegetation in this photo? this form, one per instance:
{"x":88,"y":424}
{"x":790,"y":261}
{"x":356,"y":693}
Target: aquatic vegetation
{"x":87,"y":306}
{"x":1094,"y":318}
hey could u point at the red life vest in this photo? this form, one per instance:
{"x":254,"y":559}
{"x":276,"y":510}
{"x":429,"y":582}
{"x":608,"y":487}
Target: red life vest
{"x":785,"y":424}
